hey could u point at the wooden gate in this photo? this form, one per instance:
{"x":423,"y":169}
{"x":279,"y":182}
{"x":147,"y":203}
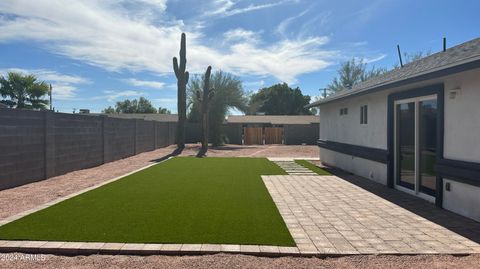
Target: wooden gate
{"x":273,"y":135}
{"x":253,"y":135}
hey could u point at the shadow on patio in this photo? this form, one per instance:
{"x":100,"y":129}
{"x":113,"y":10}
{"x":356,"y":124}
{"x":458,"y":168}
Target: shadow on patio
{"x":461,"y":225}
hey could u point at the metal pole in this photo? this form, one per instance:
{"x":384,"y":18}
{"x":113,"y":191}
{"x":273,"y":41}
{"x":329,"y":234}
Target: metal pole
{"x":50,"y":96}
{"x":399,"y":55}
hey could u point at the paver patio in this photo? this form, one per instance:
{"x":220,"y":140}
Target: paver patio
{"x":329,"y":215}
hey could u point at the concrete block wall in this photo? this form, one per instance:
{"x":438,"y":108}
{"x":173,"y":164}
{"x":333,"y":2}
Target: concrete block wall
{"x":22,"y":150}
{"x":145,"y":137}
{"x":193,"y":132}
{"x":294,"y":134}
{"x":78,"y":142}
{"x":234,"y":132}
{"x":119,"y":139}
{"x":301,"y":133}
{"x":35,"y":145}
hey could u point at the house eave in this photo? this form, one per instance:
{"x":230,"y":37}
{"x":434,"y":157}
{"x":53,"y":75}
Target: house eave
{"x":420,"y":78}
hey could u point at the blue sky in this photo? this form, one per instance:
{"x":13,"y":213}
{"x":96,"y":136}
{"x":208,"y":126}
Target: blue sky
{"x":98,"y":52}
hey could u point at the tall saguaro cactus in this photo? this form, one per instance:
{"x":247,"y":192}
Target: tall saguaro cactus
{"x":205,"y":99}
{"x":182,"y":80}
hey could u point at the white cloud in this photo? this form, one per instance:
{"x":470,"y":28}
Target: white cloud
{"x":284,"y":60}
{"x":145,"y":83}
{"x":114,"y":95}
{"x":240,"y":35}
{"x":375,"y":59}
{"x":112,"y":35}
{"x":226,"y":8}
{"x":282,"y":26}
{"x":254,"y":84}
{"x":64,"y":87}
{"x":165,"y":100}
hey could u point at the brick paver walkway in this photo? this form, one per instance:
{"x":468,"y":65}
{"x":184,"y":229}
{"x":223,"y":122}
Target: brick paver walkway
{"x":327,"y":214}
{"x":292,"y":168}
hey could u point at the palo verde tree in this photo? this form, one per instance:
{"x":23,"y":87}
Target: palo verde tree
{"x":204,"y":98}
{"x":23,"y":91}
{"x":182,"y":80}
{"x":351,"y":73}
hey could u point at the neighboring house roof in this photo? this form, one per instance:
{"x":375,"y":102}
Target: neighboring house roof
{"x":3,"y":105}
{"x":460,"y":58}
{"x":146,"y":116}
{"x":301,"y":119}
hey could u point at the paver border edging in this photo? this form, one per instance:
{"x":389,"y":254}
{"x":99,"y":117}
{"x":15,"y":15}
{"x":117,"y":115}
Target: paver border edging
{"x":93,"y":248}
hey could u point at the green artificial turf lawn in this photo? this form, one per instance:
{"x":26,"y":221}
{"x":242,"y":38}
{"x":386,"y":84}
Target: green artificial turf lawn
{"x":313,"y":167}
{"x":182,"y":200}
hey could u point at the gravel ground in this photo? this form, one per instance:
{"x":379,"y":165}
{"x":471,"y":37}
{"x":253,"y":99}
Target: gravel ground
{"x":18,"y":260}
{"x":16,"y":200}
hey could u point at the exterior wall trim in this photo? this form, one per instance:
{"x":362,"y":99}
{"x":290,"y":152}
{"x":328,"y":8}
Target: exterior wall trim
{"x":373,"y":154}
{"x":461,"y":171}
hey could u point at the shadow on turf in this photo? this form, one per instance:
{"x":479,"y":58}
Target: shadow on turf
{"x":174,"y":153}
{"x":200,"y":153}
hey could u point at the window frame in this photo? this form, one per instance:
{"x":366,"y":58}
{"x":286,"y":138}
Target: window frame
{"x":364,"y":114}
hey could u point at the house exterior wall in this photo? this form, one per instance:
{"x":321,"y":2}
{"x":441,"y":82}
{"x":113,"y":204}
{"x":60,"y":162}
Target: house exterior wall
{"x":347,"y":128}
{"x":462,"y":140}
{"x":366,"y":168}
{"x":461,"y":135}
{"x":462,"y":118}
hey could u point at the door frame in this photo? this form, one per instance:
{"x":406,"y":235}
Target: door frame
{"x":416,"y":186}
{"x":436,"y":89}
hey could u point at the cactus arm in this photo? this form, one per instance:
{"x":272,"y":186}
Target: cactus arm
{"x":186,"y":77}
{"x":183,"y":54}
{"x":175,"y":66}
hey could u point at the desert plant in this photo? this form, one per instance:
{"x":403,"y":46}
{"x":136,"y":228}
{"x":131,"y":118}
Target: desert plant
{"x":229,"y":95}
{"x":182,"y":80}
{"x":204,"y":98}
{"x":23,"y":91}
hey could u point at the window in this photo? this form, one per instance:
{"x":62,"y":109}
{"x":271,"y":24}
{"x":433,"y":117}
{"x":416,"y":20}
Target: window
{"x":364,"y":114}
{"x":343,"y":111}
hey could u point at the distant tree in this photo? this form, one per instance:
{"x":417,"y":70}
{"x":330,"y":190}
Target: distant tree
{"x":351,"y":73}
{"x":109,"y":110}
{"x":228,"y":94}
{"x":412,"y":57}
{"x":162,"y":110}
{"x":279,"y":99}
{"x":23,"y":91}
{"x":141,"y":105}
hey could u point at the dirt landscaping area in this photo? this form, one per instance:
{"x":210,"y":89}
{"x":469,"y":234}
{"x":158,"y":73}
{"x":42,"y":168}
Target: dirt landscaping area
{"x":238,"y":261}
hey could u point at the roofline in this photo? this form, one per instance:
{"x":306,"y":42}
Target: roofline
{"x":431,"y":75}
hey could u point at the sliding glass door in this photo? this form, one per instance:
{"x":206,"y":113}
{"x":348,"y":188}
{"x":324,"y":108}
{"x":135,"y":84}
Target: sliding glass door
{"x":427,"y":145}
{"x":416,"y":144}
{"x":406,"y":145}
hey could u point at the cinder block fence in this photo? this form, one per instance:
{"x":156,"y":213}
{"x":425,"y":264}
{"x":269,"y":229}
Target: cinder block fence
{"x":35,"y":145}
